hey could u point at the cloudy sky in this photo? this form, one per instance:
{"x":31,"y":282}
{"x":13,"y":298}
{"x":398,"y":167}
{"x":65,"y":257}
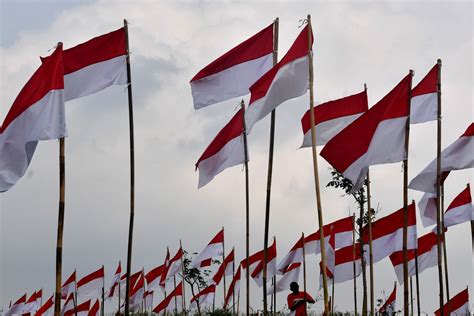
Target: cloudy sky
{"x":355,"y":43}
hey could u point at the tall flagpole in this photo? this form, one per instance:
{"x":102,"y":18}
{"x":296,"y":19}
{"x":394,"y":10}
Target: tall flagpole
{"x":102,"y":307}
{"x":472,"y":228}
{"x":418,"y":304}
{"x":354,"y":263}
{"x":120,"y":264}
{"x":371,"y":255}
{"x":183,"y":280}
{"x":269,"y":182}
{"x":233,"y":274}
{"x":411,"y":296}
{"x":445,"y":254}
{"x":132,"y":173}
{"x":438,"y":194}
{"x":304,"y":268}
{"x":315,"y":167}
{"x":405,"y":207}
{"x":223,"y":259}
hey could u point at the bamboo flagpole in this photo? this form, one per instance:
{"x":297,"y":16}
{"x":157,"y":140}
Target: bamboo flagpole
{"x":418,"y":303}
{"x":472,"y":229}
{"x":223,"y":260}
{"x":371,"y":256}
{"x":269,"y":181}
{"x":118,"y":285}
{"x":445,"y":254}
{"x":315,"y":167}
{"x":183,"y":277}
{"x":354,"y":263}
{"x":233,"y":273}
{"x":304,"y":269}
{"x":411,"y":296}
{"x":132,"y":173}
{"x":175,"y":298}
{"x":332,"y":296}
{"x":102,"y":307}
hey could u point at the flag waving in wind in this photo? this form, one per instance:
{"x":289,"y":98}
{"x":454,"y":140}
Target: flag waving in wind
{"x":215,"y":248}
{"x":424,"y":98}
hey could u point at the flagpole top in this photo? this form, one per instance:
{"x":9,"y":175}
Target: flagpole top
{"x":439,"y":61}
{"x":412,"y":73}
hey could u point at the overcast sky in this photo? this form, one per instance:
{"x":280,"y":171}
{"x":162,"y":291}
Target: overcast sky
{"x":355,"y":43}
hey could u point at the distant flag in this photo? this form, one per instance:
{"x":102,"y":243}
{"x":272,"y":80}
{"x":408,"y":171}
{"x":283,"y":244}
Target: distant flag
{"x":174,"y":266}
{"x":460,"y":210}
{"x":232,"y":74}
{"x":153,"y":277}
{"x":91,"y":285}
{"x":342,"y":229}
{"x":457,"y":156}
{"x":68,"y":306}
{"x":95,"y":309}
{"x":215,"y":248}
{"x":168,"y":303}
{"x":80,"y":310}
{"x":69,"y":286}
{"x":134,"y":278}
{"x":364,"y":142}
{"x":113,"y":291}
{"x":137,"y":293}
{"x":288,"y":79}
{"x":387,"y":233}
{"x":166,"y":265}
{"x":205,"y":297}
{"x":234,"y":288}
{"x":332,"y":117}
{"x":458,"y":305}
{"x":424,"y":98}
{"x":32,"y":304}
{"x":39,"y":297}
{"x":148,"y":299}
{"x":36,"y":114}
{"x":47,"y":309}
{"x":225,"y":268}
{"x":295,"y":255}
{"x":226,"y":150}
{"x":17,"y":307}
{"x":427,"y":252}
{"x":389,"y":306}
{"x":256,"y":264}
{"x":291,"y":274}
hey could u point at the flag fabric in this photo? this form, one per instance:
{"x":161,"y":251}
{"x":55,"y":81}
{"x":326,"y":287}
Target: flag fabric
{"x":168,"y":303}
{"x":225,"y":268}
{"x":424,"y":98}
{"x":69,"y":286}
{"x":17,"y":307}
{"x":226,"y":150}
{"x":153,"y":277}
{"x":256,"y":264}
{"x":39,"y":297}
{"x":460,"y":210}
{"x":80,"y":310}
{"x":427,"y":207}
{"x":288,"y":79}
{"x":234,"y":287}
{"x":232,"y":74}
{"x":113,"y":290}
{"x":458,"y":305}
{"x":47,"y":309}
{"x":292,"y":274}
{"x":387,"y":234}
{"x":148,"y":299}
{"x":215,"y":248}
{"x":295,"y":255}
{"x":427,"y":252}
{"x":332,"y":117}
{"x":330,"y":246}
{"x":95,"y":309}
{"x":389,"y":305}
{"x":166,"y":265}
{"x":36,"y":114}
{"x":95,"y":65}
{"x":205,"y":297}
{"x":91,"y":285}
{"x":32,"y":304}
{"x":68,"y":306}
{"x":137,"y":293}
{"x":457,"y":156}
{"x":174,"y":266}
{"x":344,"y":264}
{"x":134,"y":278}
{"x":364,"y":142}
{"x":342,"y":229}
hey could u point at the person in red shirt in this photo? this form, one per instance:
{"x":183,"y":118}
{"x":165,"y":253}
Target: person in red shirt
{"x":297,"y":300}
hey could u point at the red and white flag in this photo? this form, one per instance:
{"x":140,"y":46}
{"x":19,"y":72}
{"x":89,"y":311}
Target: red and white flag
{"x":460,"y":210}
{"x":91,"y":285}
{"x":458,"y":305}
{"x":153,"y":277}
{"x":256,"y":264}
{"x":457,"y":156}
{"x":113,"y":290}
{"x":36,"y":114}
{"x":134,"y":278}
{"x":226,"y":150}
{"x":80,"y":310}
{"x":166,"y":265}
{"x":288,"y":79}
{"x":332,"y":117}
{"x":424,"y":98}
{"x":427,"y":205}
{"x":137,"y":293}
{"x":292,"y":274}
{"x":390,"y":304}
{"x":330,"y":259}
{"x":69,"y":286}
{"x":364,"y":143}
{"x":32,"y":304}
{"x":148,"y":299}
{"x":225,"y":268}
{"x":95,"y":65}
{"x":47,"y":309}
{"x":234,"y":288}
{"x":427,"y":256}
{"x":342,"y":229}
{"x":295,"y":255}
{"x":387,"y":234}
{"x":173,"y":267}
{"x":232,"y":74}
{"x":343,"y":269}
{"x":17,"y":307}
{"x":205,"y":297}
{"x":215,"y":248}
{"x":69,"y":305}
{"x":168,"y":304}
{"x":95,"y":309}
{"x":39,"y":297}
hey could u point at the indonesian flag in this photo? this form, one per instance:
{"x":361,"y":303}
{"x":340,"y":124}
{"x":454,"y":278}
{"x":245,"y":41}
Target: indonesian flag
{"x":427,"y":205}
{"x":134,"y":278}
{"x":225,"y":268}
{"x":81,"y":309}
{"x":95,"y":65}
{"x":95,"y":309}
{"x":389,"y":306}
{"x":39,"y":297}
{"x":286,"y":80}
{"x":36,"y":114}
{"x":232,"y":74}
{"x":32,"y":303}
{"x":256,"y":264}
{"x":460,"y":210}
{"x":153,"y":277}
{"x":68,"y":306}
{"x":424,"y":98}
{"x":91,"y":285}
{"x":226,"y":150}
{"x":292,"y":274}
{"x":457,"y":156}
{"x":332,"y":117}
{"x":234,"y":288}
{"x":148,"y":299}
{"x":137,"y":293}
{"x":113,"y":291}
{"x":69,"y":286}
{"x":342,"y":229}
{"x":166,"y":265}
{"x":344,"y":264}
{"x":387,"y":233}
{"x":205,"y":297}
{"x":168,"y":303}
{"x":364,"y":143}
{"x":330,"y":259}
{"x":174,"y":266}
{"x":427,"y":256}
{"x":458,"y":305}
{"x":17,"y":307}
{"x":214,"y":249}
{"x":294,"y":255}
{"x":47,"y":309}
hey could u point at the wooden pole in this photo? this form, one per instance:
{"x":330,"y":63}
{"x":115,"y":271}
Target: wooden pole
{"x":59,"y":240}
{"x":445,"y":254}
{"x":371,"y":256}
{"x":233,"y":274}
{"x":269,"y":180}
{"x":362,"y":251}
{"x":472,"y":229}
{"x":315,"y":167}
{"x":438,"y":194}
{"x":332,"y":296}
{"x":354,"y":264}
{"x":304,"y":266}
{"x":223,"y":260}
{"x":175,"y":298}
{"x":74,"y":298}
{"x":274,"y":294}
{"x":102,"y":307}
{"x":132,"y":173}
{"x":411,"y":296}
{"x":405,"y":208}
{"x":118,"y":311}
{"x":418,"y":303}
{"x":183,"y":277}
